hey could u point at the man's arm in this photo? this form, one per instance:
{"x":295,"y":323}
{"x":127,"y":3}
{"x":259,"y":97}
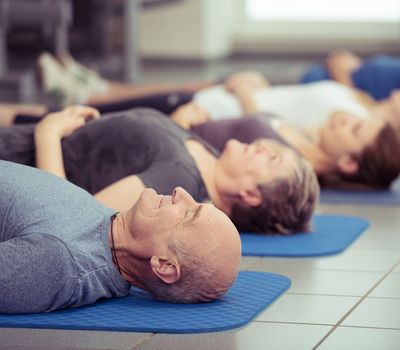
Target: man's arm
{"x":121,"y":195}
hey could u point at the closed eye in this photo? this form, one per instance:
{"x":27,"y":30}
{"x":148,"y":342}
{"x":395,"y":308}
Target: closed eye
{"x":356,"y":128}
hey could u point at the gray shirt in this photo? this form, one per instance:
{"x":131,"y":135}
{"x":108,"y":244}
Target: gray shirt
{"x":54,"y":250}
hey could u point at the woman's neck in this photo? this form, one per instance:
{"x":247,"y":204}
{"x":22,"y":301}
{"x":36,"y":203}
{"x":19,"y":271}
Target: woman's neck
{"x":385,"y":111}
{"x":206,"y":163}
{"x":308,"y":144}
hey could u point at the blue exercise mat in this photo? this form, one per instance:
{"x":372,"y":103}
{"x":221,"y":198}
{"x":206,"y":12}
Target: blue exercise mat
{"x":251,"y":294}
{"x":331,"y":234}
{"x":383,"y":197}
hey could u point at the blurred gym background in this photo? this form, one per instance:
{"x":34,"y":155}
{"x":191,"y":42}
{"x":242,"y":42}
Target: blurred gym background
{"x":151,"y":41}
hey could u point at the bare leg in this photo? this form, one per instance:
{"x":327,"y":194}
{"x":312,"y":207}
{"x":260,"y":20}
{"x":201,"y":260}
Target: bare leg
{"x":120,"y":91}
{"x":69,"y":82}
{"x":8,"y":111}
{"x":340,"y":65}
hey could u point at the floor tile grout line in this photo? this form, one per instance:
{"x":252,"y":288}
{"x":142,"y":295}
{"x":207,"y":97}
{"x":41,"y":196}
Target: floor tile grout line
{"x":298,"y":323}
{"x":319,"y":269}
{"x":384,"y":298}
{"x":343,"y":295}
{"x":370,"y":327}
{"x":353,"y":270}
{"x":326,"y":295}
{"x":356,"y":305}
{"x":325,"y":324}
{"x":151,"y":335}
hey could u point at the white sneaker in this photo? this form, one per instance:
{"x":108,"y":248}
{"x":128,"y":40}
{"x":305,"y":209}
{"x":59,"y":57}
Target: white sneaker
{"x":85,"y":75}
{"x":60,"y":87}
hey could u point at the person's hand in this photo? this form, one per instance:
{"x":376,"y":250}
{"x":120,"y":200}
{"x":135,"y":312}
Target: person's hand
{"x":395,"y":101}
{"x":394,"y":110}
{"x":245,"y":81}
{"x":341,"y":64}
{"x":68,"y":120}
{"x":189,"y":114}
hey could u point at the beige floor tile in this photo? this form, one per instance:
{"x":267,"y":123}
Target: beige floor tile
{"x":256,"y":336}
{"x":62,"y":339}
{"x":372,"y":312}
{"x":315,"y":309}
{"x":388,"y":288}
{"x":362,"y":339}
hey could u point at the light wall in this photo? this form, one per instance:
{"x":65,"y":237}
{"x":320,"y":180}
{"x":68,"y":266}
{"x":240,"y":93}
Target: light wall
{"x":210,"y":29}
{"x":316,"y":38}
{"x":190,"y":29}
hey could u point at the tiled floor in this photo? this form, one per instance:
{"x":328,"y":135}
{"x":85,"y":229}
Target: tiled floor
{"x":346,"y":301}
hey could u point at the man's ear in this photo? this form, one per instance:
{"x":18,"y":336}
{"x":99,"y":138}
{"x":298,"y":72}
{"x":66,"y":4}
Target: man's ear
{"x":347,"y":164}
{"x":251,"y":198}
{"x":166,"y":269}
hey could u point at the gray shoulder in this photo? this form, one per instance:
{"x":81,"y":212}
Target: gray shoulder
{"x":37,"y":274}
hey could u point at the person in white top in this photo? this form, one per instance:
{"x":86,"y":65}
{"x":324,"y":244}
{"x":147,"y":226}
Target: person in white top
{"x":301,"y":105}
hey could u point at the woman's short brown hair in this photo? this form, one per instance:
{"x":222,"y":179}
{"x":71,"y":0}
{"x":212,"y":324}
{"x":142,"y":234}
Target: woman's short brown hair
{"x":287,"y":204}
{"x":378,"y":164}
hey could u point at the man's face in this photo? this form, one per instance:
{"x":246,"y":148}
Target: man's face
{"x":261,"y":161}
{"x":160,"y":215}
{"x":161,"y":219}
{"x":344,"y":134}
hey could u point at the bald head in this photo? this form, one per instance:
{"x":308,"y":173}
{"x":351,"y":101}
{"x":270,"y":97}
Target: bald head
{"x":213,"y":255}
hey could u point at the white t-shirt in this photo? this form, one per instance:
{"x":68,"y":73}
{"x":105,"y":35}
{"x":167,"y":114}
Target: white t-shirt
{"x":301,"y":105}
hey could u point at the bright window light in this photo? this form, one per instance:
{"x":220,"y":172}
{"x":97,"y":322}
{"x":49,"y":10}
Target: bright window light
{"x":323,"y":10}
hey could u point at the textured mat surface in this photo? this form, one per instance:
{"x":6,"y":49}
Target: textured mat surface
{"x":331,"y":234}
{"x":389,"y":197}
{"x":251,"y":293}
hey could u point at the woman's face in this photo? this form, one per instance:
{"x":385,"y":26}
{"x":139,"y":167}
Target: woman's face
{"x":259,"y":162}
{"x":344,"y":134}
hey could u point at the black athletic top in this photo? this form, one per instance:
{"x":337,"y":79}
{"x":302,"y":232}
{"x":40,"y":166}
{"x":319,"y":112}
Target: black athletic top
{"x":247,"y":130}
{"x":138,"y":142}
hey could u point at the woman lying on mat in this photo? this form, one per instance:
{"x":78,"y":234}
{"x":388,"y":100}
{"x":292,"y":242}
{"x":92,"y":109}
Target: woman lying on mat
{"x":263,"y":187}
{"x":378,"y":75}
{"x":60,"y":248}
{"x":302,"y":105}
{"x":346,"y":152}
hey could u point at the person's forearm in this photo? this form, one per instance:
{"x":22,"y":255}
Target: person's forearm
{"x":8,"y":112}
{"x":49,"y":154}
{"x":121,"y":195}
{"x":341,"y":64}
{"x":184,"y":123}
{"x":247,"y":101}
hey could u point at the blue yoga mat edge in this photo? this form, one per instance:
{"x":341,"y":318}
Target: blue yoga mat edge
{"x":332,"y":234}
{"x":389,"y":197}
{"x":255,"y":292}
